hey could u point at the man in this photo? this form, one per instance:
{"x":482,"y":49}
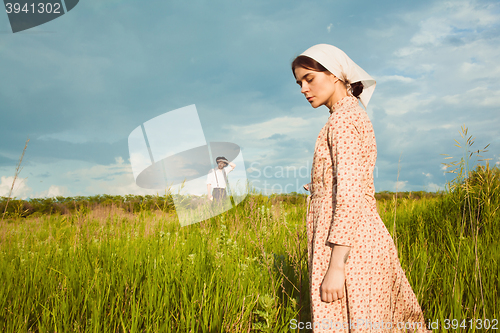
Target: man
{"x":217,"y":179}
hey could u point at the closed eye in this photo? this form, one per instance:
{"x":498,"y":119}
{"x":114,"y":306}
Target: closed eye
{"x":308,"y":78}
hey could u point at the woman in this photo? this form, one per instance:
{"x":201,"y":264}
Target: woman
{"x":357,"y":283}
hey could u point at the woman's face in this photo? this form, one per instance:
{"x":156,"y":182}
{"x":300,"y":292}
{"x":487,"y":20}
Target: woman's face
{"x":318,"y":87}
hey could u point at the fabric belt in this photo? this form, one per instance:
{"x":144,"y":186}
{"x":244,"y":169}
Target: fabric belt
{"x":317,"y":190}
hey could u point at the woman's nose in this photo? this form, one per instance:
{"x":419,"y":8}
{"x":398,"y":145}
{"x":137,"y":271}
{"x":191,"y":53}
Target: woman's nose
{"x":304,"y":88}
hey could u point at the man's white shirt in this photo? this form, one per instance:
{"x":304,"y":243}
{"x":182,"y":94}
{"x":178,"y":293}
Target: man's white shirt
{"x":219,"y":181}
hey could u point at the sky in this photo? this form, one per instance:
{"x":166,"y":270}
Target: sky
{"x":78,"y":86}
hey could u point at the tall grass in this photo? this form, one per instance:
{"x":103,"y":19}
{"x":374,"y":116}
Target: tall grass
{"x":449,"y":245}
{"x":18,"y":170}
{"x":111,"y":271}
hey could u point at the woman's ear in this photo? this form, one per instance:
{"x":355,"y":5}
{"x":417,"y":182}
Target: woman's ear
{"x":333,"y":77}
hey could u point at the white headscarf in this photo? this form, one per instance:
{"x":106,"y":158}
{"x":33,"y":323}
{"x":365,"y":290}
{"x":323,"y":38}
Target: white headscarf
{"x":340,"y":65}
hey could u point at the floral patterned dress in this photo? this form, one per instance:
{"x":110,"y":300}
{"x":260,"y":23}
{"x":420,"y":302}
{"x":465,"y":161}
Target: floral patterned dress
{"x":342,"y":210}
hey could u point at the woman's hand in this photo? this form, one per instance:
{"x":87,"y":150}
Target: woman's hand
{"x":332,"y":287}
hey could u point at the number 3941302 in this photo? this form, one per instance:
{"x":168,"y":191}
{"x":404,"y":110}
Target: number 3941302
{"x":40,"y":8}
{"x":477,"y":323}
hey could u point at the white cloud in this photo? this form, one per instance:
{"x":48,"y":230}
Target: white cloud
{"x":431,"y":187}
{"x":462,"y":17}
{"x":397,"y":78}
{"x":397,"y":106}
{"x":53,"y":191}
{"x":67,"y":136}
{"x":455,"y":47}
{"x":428,"y":175}
{"x":329,"y":28}
{"x":113,"y":179}
{"x":282,"y":125}
{"x":407,"y":51}
{"x":400,"y":185}
{"x":474,"y":97}
{"x":20,"y":190}
{"x":448,"y":126}
{"x":432,"y":31}
{"x":470,"y":67}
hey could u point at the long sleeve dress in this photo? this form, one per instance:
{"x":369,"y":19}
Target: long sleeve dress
{"x":342,"y":210}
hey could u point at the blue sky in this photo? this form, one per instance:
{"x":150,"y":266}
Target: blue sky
{"x":77,"y":86}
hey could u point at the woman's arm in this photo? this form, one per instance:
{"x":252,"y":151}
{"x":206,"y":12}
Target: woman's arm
{"x":346,"y":142}
{"x":332,"y":287}
{"x":347,"y":148}
{"x":340,"y":253}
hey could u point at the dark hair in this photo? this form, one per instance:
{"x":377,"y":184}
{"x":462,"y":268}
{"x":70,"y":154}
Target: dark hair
{"x":357,"y":88}
{"x":309,"y":63}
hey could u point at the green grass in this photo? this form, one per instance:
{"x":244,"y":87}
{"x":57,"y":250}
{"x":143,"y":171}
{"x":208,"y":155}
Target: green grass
{"x":106,"y":270}
{"x":109,"y":271}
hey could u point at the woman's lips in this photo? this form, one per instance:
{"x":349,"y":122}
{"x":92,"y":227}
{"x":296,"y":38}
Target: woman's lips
{"x":309,"y":98}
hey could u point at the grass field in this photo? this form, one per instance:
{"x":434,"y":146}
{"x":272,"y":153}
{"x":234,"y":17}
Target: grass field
{"x":127,"y":266}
